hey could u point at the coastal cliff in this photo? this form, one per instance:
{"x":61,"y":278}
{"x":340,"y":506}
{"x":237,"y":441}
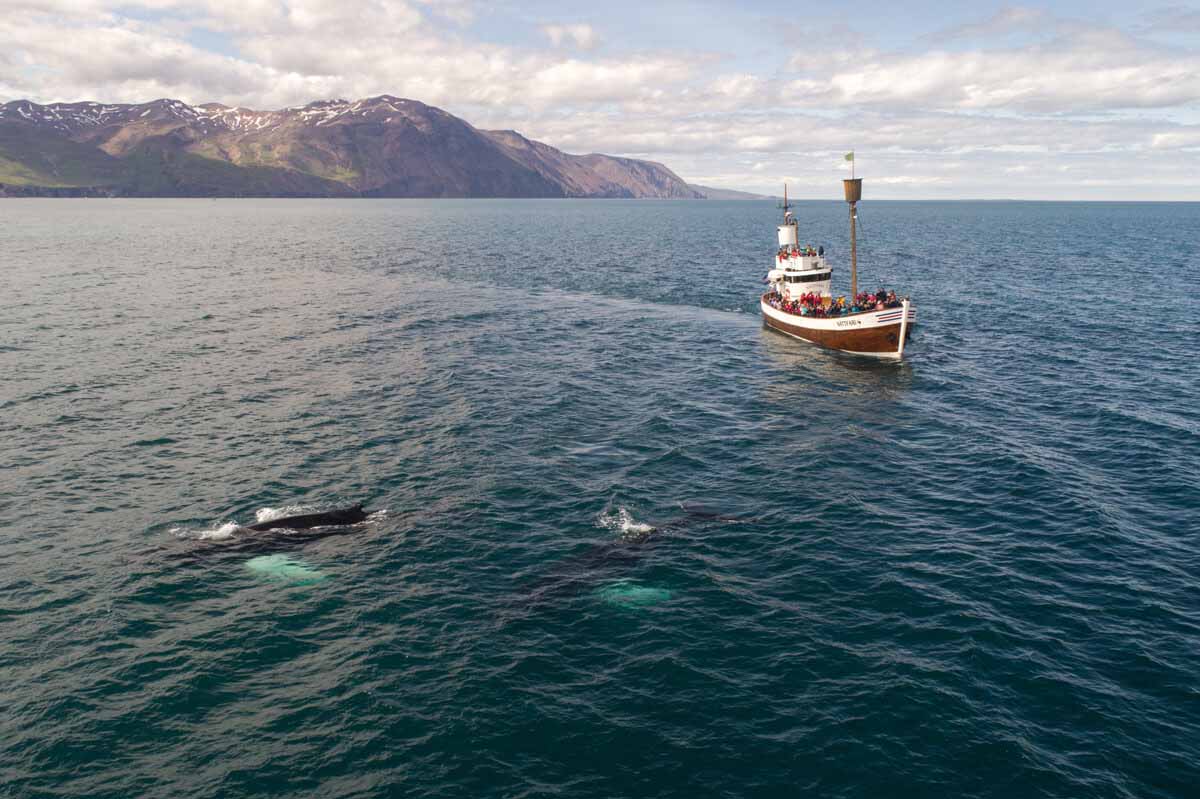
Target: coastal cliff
{"x":377,"y":147}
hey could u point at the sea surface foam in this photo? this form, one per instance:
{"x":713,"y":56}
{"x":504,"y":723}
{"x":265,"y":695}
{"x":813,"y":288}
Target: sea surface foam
{"x":621,"y":522}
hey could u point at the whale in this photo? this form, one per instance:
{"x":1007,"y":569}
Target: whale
{"x":577,"y":573}
{"x":695,"y":512}
{"x":281,"y":534}
{"x":612,"y":559}
{"x":306,"y":521}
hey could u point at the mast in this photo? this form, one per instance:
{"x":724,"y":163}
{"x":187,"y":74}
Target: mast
{"x":790,"y":219}
{"x":853,"y":189}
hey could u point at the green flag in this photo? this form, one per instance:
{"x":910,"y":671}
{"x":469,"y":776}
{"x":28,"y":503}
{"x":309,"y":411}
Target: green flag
{"x":850,"y":156}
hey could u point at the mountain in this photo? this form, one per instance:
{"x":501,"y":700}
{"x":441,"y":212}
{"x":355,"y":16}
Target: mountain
{"x":378,"y":147}
{"x":711,"y":193}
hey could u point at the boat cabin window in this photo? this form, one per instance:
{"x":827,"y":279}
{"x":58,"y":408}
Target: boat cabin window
{"x":805,"y":278}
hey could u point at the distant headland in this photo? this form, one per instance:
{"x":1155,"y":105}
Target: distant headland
{"x":377,"y":147}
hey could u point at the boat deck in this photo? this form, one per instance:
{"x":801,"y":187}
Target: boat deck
{"x":825,"y":312}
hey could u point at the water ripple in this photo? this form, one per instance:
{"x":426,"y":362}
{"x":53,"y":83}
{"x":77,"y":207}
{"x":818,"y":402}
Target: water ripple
{"x":635,"y":545}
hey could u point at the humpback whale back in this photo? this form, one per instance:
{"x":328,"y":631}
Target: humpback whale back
{"x":338,"y":517}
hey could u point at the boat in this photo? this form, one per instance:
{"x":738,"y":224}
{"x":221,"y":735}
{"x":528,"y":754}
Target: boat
{"x":800,"y":303}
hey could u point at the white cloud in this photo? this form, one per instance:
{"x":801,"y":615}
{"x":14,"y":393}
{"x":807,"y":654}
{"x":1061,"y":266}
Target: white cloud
{"x":1013,"y":19}
{"x":118,"y":61}
{"x":1173,"y":19}
{"x":459,"y":12}
{"x":1001,"y":113}
{"x":612,"y":81}
{"x":1093,"y":71}
{"x":580,"y":35}
{"x":910,"y":180}
{"x":1176,"y":139}
{"x":302,"y":50}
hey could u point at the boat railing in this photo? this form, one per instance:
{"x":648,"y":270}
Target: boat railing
{"x":828,"y":308}
{"x":801,"y":262}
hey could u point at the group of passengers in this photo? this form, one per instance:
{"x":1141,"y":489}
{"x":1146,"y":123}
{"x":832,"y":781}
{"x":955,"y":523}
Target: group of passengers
{"x":877,"y":301}
{"x":786,"y":252}
{"x":813,"y":304}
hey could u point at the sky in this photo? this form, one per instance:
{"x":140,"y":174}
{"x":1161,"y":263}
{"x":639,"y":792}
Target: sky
{"x":1070,"y":100}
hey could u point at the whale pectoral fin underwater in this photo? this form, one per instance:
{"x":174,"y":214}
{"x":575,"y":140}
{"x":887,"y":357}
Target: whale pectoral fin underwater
{"x":281,"y":568}
{"x":575,"y":574}
{"x":628,"y":593}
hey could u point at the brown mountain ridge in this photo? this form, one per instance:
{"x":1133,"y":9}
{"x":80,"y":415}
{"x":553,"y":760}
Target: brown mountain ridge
{"x":377,"y":147}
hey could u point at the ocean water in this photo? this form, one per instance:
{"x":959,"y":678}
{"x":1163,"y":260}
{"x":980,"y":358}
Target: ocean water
{"x":626,"y":542}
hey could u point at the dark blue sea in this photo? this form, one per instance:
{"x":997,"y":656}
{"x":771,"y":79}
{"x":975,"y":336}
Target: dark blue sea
{"x":625,"y":542}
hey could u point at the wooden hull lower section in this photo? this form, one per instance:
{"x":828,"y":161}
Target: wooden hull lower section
{"x":880,"y":341}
